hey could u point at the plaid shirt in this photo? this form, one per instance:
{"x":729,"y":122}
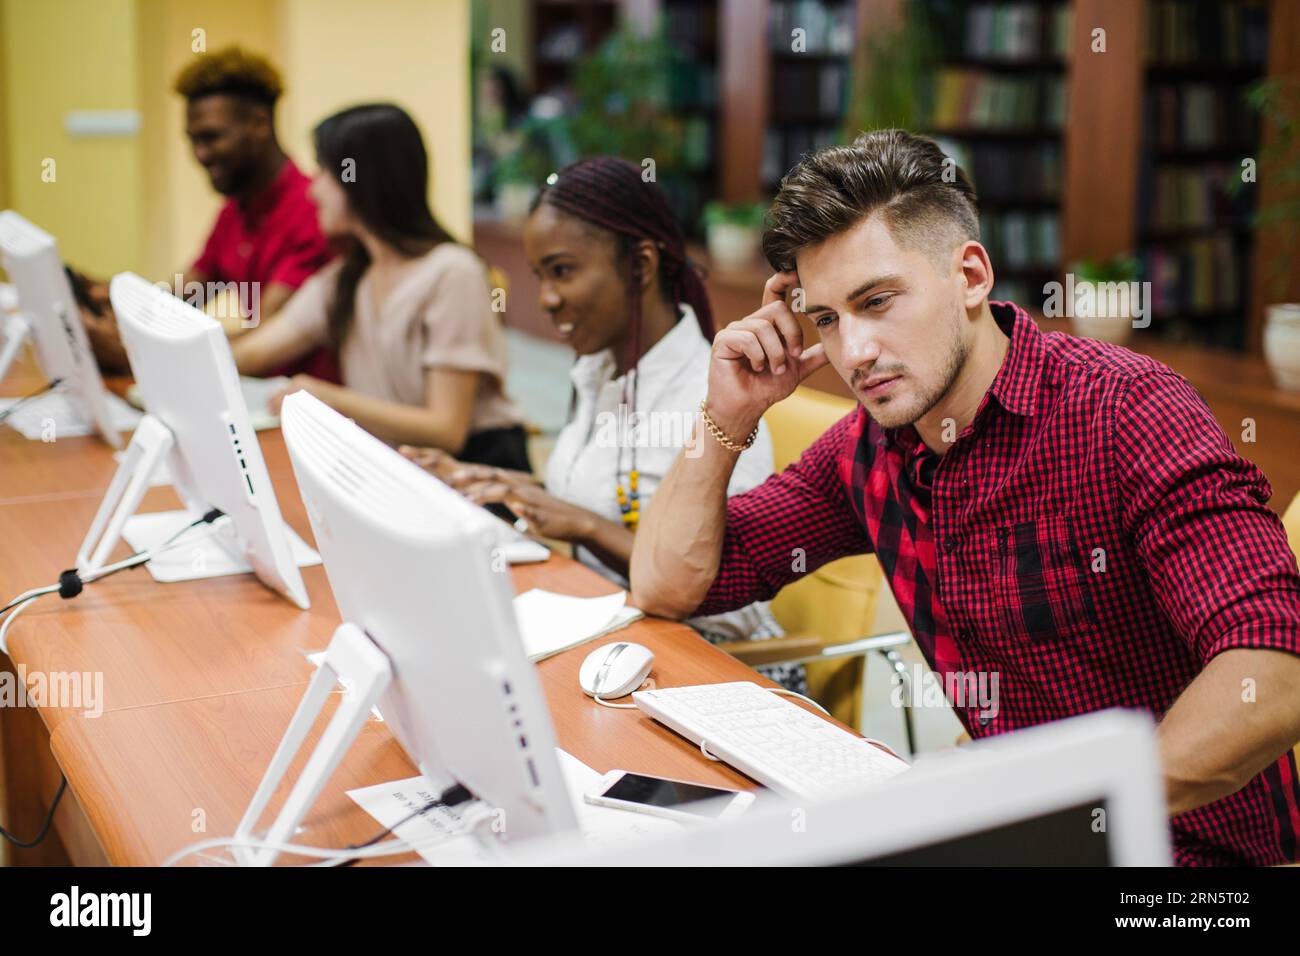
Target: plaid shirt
{"x":1091,"y":538}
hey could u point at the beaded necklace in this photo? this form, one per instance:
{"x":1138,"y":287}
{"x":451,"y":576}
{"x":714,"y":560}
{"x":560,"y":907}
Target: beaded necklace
{"x":629,"y":498}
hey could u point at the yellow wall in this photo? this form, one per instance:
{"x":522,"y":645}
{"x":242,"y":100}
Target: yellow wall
{"x":4,"y":148}
{"x":62,"y":55}
{"x":141,"y":202}
{"x":414,"y":53}
{"x":179,"y":205}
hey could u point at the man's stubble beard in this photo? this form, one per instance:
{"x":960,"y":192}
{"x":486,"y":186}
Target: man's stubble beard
{"x":893,"y":414}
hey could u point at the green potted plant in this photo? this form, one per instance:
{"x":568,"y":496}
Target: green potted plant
{"x":893,"y":70}
{"x":732,"y":231}
{"x":622,"y":101}
{"x":1097,"y":314}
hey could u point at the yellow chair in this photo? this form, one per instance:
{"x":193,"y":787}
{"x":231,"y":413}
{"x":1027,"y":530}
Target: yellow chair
{"x":1291,"y":522}
{"x":826,"y":613}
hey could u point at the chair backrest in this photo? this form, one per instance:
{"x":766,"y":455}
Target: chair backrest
{"x":1291,"y":521}
{"x":837,"y":602}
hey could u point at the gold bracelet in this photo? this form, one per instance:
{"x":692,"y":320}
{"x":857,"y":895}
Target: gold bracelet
{"x":721,"y":436}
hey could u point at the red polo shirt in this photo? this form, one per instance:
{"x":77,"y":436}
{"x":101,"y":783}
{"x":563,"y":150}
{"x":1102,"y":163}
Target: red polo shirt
{"x":274,"y":237}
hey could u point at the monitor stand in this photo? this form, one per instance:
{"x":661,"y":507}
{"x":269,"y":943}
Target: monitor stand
{"x":356,"y":662}
{"x":150,"y":445}
{"x":150,"y":453}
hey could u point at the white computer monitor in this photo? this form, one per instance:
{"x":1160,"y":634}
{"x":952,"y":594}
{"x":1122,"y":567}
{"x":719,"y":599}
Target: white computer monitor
{"x":49,"y":319}
{"x":410,"y":563}
{"x":197,"y":424}
{"x":1078,"y":792}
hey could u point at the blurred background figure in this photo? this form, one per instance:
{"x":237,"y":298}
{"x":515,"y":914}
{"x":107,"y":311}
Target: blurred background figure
{"x":408,"y":309}
{"x":266,"y":237}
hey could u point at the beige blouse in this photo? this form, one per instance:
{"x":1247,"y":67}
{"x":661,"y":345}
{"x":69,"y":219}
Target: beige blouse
{"x":438,"y":315}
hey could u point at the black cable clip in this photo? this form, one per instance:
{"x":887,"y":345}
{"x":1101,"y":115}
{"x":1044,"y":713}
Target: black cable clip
{"x":70,"y":584}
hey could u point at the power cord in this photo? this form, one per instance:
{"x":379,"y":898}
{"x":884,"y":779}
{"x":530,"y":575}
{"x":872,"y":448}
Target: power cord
{"x":349,"y":855}
{"x":453,"y":796}
{"x":45,"y":827}
{"x":53,"y":384}
{"x":71,"y":583}
{"x":794,"y":693}
{"x":774,"y":690}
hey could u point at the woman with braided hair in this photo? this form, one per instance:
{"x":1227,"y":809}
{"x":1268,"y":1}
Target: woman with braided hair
{"x":617,"y":284}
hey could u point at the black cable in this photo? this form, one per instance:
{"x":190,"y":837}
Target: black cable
{"x":453,"y":796}
{"x":53,"y":384}
{"x":49,"y":819}
{"x":19,"y":600}
{"x":70,"y":581}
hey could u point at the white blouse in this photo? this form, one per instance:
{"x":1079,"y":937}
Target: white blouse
{"x":585,"y":466}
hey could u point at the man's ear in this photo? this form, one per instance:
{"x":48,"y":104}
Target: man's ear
{"x":976,"y":271}
{"x":262,"y":120}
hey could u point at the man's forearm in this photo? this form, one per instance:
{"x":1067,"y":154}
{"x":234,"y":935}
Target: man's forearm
{"x":1236,"y":718}
{"x":679,"y":543}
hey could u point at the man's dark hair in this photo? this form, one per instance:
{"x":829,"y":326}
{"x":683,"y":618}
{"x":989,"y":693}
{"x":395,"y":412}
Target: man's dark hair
{"x":233,"y":72}
{"x":891,"y":171}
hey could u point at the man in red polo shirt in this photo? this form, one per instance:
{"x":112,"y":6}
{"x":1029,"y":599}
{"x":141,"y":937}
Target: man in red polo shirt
{"x":1059,"y":512}
{"x":266,"y":241}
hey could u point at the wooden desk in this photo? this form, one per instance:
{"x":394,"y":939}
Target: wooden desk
{"x":201,"y":679}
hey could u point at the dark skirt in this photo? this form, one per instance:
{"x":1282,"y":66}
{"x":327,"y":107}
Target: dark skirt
{"x":498,"y":447}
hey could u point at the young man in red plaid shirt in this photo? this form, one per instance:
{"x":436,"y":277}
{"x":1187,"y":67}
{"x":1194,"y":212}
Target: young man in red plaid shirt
{"x":1061,"y":512}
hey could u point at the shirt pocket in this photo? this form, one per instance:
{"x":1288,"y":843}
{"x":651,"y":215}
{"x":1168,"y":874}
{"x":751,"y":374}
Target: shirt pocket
{"x":1043,"y":588}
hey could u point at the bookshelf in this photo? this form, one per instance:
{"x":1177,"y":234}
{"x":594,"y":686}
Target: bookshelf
{"x":564,"y":30}
{"x":691,"y":27}
{"x":808,"y":79}
{"x":998,"y":108}
{"x":1154,"y":123}
{"x":1194,"y":236}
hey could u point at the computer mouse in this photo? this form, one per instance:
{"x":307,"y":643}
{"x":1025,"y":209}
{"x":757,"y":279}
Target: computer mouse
{"x":615,"y":670}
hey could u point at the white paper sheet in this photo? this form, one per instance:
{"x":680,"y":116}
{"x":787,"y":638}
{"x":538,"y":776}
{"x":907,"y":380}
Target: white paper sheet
{"x":600,"y":826}
{"x":550,"y":623}
{"x":204,"y":557}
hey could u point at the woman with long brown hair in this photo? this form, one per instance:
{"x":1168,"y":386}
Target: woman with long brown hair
{"x":409,"y":309}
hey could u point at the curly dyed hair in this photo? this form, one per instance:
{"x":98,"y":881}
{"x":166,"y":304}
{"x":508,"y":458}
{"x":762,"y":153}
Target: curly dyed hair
{"x":234,"y":72}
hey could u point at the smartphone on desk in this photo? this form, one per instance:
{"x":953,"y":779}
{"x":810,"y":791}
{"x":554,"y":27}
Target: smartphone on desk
{"x":671,"y":799}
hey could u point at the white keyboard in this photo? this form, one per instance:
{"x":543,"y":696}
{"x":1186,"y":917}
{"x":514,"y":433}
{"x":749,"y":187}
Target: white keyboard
{"x":65,"y":414}
{"x":770,"y":738}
